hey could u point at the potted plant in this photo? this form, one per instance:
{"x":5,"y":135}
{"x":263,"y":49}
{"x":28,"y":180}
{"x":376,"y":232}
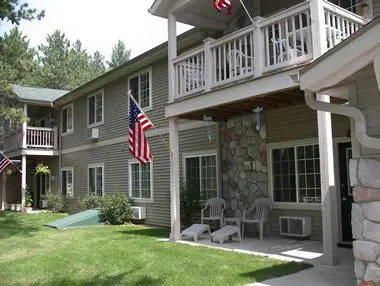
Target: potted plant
{"x":28,"y":200}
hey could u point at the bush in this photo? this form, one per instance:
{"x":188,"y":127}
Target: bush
{"x":56,"y":203}
{"x":115,"y":209}
{"x":90,"y":202}
{"x":190,"y":205}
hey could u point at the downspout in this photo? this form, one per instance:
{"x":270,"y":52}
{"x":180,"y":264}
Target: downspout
{"x":352,"y":112}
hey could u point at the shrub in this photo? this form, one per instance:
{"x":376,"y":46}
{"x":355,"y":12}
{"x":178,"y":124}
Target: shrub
{"x":189,"y":204}
{"x":55,"y":202}
{"x":90,"y":202}
{"x":115,"y":209}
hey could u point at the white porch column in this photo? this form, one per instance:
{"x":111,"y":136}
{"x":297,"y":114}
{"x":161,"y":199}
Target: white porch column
{"x":174,"y":179}
{"x":172,"y":53}
{"x":23,"y":181}
{"x":4,"y":191}
{"x":24,"y":125}
{"x":328,"y":190}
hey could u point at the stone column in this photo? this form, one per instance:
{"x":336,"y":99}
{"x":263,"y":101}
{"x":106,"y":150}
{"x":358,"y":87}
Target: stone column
{"x":365,"y":177}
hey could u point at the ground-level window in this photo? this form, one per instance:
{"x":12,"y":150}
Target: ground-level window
{"x":67,"y":187}
{"x":96,"y":179}
{"x":200,"y":175}
{"x":140,"y":180}
{"x":296,"y":174}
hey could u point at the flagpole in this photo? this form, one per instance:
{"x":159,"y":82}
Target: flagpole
{"x":162,"y":138}
{"x":246,"y":10}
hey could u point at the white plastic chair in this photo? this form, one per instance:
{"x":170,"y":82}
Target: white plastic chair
{"x":260,"y":212}
{"x":215,"y":207}
{"x":240,"y":62}
{"x":288,"y":53}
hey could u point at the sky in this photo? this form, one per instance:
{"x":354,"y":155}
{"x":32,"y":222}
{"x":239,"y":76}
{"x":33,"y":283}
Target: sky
{"x":98,"y":24}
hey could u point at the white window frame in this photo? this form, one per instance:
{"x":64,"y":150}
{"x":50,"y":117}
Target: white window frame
{"x":95,"y":165}
{"x":149,"y":69}
{"x":66,"y":169}
{"x":69,"y":131}
{"x":140,"y":200}
{"x":200,"y":154}
{"x":289,"y":205}
{"x":88,"y":108}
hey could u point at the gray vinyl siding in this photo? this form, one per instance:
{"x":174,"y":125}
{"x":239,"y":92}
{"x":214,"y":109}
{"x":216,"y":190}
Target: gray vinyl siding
{"x":299,"y":122}
{"x":376,"y":7}
{"x":115,"y":158}
{"x":316,"y":221}
{"x":116,"y":108}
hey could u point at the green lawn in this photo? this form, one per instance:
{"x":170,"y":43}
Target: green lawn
{"x":31,"y":254}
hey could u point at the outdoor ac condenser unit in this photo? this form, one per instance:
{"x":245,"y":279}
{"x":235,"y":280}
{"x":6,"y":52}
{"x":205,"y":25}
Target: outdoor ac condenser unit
{"x":92,"y":134}
{"x":138,"y":213}
{"x":295,"y":226}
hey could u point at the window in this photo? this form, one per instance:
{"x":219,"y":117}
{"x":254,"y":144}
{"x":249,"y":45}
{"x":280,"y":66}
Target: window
{"x":95,"y":108}
{"x":200,"y":175}
{"x":296,"y":174}
{"x":141,"y":181}
{"x":140,"y":86}
{"x":67,"y":182}
{"x":67,"y":119}
{"x":96,"y":179}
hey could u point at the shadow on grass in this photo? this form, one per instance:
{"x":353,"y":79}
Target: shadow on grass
{"x":276,"y":271}
{"x":108,"y":280}
{"x":151,"y":232}
{"x":12,"y":225}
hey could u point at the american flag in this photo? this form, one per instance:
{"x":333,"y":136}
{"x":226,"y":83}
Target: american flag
{"x":4,"y":162}
{"x":138,"y":124}
{"x":219,"y":4}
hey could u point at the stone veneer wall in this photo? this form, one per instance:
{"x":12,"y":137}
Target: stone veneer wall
{"x":365,"y":176}
{"x":244,"y":163}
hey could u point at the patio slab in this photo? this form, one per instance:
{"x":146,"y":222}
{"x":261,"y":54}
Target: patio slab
{"x":293,"y":250}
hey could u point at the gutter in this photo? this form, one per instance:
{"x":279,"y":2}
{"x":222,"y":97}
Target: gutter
{"x":352,"y":112}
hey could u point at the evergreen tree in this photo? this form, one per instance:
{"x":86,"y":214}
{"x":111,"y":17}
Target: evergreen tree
{"x":120,"y":55}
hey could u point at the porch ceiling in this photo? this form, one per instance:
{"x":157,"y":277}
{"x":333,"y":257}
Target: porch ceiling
{"x":198,"y":13}
{"x":223,"y":112}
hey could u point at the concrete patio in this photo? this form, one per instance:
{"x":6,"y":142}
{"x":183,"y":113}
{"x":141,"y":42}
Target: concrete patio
{"x":292,"y":250}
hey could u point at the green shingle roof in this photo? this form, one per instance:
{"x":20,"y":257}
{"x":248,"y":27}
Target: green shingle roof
{"x":37,"y":93}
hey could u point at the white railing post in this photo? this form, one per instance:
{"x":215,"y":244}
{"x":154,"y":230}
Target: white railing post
{"x":24,"y":125}
{"x":318,"y":27}
{"x":209,"y":66}
{"x":172,"y":54}
{"x":55,"y":138}
{"x":258,"y":47}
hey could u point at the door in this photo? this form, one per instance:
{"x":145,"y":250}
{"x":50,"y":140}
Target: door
{"x":345,"y":154}
{"x":43,"y":187}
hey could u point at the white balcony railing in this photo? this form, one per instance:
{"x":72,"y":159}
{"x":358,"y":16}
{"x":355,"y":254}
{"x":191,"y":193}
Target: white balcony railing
{"x":282,"y":40}
{"x":36,"y":138}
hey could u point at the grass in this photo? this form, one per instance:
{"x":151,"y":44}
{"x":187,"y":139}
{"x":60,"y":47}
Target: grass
{"x":31,"y":254}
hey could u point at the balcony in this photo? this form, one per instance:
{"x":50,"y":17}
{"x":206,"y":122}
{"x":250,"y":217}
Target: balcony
{"x":36,"y":138}
{"x":281,"y":41}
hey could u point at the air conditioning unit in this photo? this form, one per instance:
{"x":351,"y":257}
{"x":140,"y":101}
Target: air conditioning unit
{"x":138,"y":213}
{"x":92,"y":134}
{"x":295,"y":226}
{"x":43,"y":204}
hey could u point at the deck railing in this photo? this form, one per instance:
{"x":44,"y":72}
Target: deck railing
{"x":282,"y":40}
{"x":36,"y":138}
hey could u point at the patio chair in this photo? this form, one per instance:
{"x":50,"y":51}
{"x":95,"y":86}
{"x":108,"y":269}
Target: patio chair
{"x":240,"y":62}
{"x":213,"y":210}
{"x":259,"y":215}
{"x":288,"y":53}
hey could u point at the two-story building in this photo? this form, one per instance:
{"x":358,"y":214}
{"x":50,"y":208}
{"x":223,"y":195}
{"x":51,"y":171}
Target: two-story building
{"x":246,"y":79}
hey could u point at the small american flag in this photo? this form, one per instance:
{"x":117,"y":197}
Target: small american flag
{"x":138,"y":124}
{"x":4,"y":162}
{"x":219,"y":4}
